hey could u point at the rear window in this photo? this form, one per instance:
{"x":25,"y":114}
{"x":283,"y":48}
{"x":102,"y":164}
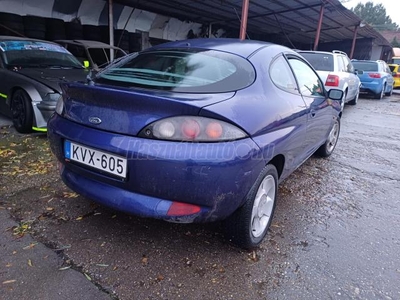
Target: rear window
{"x":192,"y":71}
{"x":320,"y":61}
{"x":365,"y":66}
{"x":393,"y":68}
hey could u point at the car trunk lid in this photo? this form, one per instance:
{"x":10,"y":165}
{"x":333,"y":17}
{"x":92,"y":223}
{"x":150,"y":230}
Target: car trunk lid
{"x":127,"y":111}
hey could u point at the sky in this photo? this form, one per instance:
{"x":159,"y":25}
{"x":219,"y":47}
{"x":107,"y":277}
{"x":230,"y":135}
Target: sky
{"x":392,"y":7}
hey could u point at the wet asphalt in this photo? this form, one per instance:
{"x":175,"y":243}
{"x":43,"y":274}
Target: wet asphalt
{"x":335,"y":234}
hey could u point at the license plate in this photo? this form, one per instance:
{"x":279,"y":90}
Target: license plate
{"x":97,"y":159}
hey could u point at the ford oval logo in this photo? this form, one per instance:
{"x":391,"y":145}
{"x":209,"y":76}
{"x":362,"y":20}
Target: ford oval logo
{"x":95,"y":120}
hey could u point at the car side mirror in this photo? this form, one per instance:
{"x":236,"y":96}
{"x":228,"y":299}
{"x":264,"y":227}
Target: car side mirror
{"x":359,"y":72}
{"x":86,"y":64}
{"x":335,"y":94}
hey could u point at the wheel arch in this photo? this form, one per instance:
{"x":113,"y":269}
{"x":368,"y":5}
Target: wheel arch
{"x":278,"y":162}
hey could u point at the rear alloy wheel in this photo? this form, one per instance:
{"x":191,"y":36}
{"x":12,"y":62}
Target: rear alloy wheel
{"x":248,"y":226}
{"x":380,"y":95}
{"x":355,"y":100}
{"x":390,"y":92}
{"x":22,"y":111}
{"x":327,"y":148}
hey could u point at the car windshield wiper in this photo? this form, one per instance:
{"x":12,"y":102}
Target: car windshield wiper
{"x":63,"y":67}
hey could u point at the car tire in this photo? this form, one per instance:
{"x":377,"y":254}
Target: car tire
{"x":390,"y":92}
{"x":327,"y":148}
{"x":245,"y":227}
{"x":22,"y":111}
{"x":380,"y":95}
{"x":355,"y":100}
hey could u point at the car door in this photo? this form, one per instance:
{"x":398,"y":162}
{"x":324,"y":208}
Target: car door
{"x":292,"y":111}
{"x":319,"y":110}
{"x":389,"y":75}
{"x":352,"y":79}
{"x":4,"y":87}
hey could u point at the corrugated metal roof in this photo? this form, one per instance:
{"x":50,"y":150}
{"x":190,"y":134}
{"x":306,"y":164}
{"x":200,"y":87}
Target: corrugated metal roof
{"x":296,"y":20}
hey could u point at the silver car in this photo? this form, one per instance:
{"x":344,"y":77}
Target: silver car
{"x":336,"y":71}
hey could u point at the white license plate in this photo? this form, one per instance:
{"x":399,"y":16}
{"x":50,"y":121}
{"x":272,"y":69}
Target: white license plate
{"x":97,"y":159}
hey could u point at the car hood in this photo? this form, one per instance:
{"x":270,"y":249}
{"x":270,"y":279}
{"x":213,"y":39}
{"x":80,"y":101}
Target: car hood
{"x":53,"y":77}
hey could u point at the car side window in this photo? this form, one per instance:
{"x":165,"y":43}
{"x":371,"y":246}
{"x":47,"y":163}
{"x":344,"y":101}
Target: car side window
{"x":348,"y":64}
{"x":282,"y":76}
{"x":388,"y":69}
{"x":341,"y":64}
{"x":309,"y":83}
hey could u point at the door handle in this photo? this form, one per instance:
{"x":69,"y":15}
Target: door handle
{"x":312,"y":113}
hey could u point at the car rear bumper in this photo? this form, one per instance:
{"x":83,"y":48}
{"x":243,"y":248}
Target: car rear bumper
{"x":371,"y":87}
{"x":214,"y":176}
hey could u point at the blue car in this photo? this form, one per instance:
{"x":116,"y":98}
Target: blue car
{"x":195,"y":131}
{"x":376,"y":77}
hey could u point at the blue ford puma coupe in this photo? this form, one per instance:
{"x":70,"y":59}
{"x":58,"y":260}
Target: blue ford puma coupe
{"x":195,"y":131}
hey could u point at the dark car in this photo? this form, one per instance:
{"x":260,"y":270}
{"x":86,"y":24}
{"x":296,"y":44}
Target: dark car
{"x":96,"y":54}
{"x":30,"y":72}
{"x":195,"y":131}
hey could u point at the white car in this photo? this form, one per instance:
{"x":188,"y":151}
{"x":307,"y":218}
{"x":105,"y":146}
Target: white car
{"x":336,"y":71}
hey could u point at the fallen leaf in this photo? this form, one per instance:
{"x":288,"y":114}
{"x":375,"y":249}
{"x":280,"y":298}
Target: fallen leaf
{"x":102,"y":265}
{"x":64,"y":268}
{"x":70,"y":195}
{"x":160,"y":277}
{"x":115,"y":268}
{"x":9,"y":281}
{"x":87,"y":276}
{"x":30,"y":246}
{"x":8,"y":265}
{"x":30,"y":263}
{"x":49,"y":208}
{"x":79,"y":218}
{"x":114,"y":216}
{"x":144,"y":260}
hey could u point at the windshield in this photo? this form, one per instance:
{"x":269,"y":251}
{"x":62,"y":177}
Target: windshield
{"x":396,"y":60}
{"x":365,"y":66}
{"x":320,"y":61}
{"x":35,"y":54}
{"x":101,"y":56}
{"x":204,"y":71}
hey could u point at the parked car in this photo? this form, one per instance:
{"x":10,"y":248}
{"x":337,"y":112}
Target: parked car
{"x":30,"y":72}
{"x":395,"y":69}
{"x":96,"y":55}
{"x":336,"y":71}
{"x":195,"y":131}
{"x":376,"y":79}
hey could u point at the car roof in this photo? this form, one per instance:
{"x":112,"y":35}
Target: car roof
{"x":4,"y":38}
{"x":367,"y":61}
{"x":241,"y":47}
{"x":88,"y":44}
{"x":311,"y":51}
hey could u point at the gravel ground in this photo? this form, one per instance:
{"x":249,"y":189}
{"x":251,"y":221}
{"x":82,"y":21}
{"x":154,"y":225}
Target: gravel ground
{"x":335,"y":234}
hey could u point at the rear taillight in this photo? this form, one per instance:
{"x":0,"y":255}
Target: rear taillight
{"x":397,"y":75}
{"x":182,"y":209}
{"x":193,"y":129}
{"x":332,"y":80}
{"x":374,"y":75}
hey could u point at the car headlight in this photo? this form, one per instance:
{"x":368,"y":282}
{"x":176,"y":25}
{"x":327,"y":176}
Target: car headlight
{"x":193,"y":129}
{"x":60,"y":106}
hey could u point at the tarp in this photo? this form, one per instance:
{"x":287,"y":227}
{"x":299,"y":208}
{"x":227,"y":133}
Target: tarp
{"x":95,"y":12}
